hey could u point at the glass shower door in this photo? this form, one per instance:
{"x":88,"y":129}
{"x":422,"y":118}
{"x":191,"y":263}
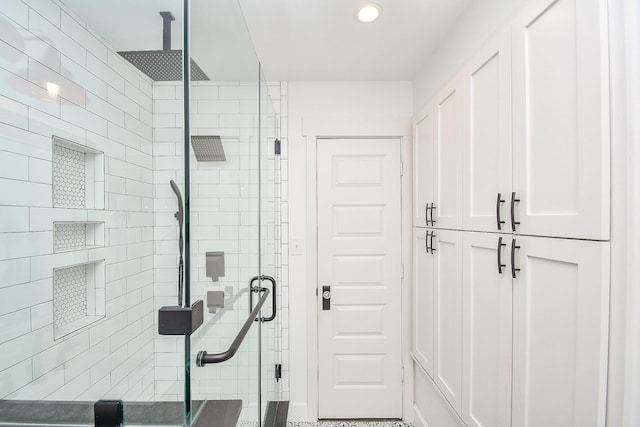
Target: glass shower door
{"x":225,"y":208}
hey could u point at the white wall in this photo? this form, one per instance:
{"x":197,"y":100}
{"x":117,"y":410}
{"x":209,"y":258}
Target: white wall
{"x":320,"y":99}
{"x":474,"y":28}
{"x":105,"y":104}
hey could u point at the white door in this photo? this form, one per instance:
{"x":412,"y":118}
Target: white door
{"x":447,"y":246}
{"x":560,"y":325}
{"x":448,"y":157}
{"x":486,"y":345}
{"x":423,"y":297}
{"x":486,"y":168}
{"x":423,"y":168}
{"x":359,"y":261}
{"x":560,"y":119}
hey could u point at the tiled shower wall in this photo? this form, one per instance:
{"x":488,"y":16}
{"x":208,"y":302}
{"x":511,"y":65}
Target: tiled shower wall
{"x":104,"y":104}
{"x":282,"y":344}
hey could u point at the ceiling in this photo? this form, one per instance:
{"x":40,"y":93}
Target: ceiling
{"x":321,"y":39}
{"x":293,"y":39}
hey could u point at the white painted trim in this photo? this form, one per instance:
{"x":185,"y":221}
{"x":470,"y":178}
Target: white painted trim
{"x":336,"y":127}
{"x":624,"y":330}
{"x":297,"y":412}
{"x":631,"y":415}
{"x":420,"y":421}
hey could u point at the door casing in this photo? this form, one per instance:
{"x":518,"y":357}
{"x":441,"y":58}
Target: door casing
{"x":315,"y":128}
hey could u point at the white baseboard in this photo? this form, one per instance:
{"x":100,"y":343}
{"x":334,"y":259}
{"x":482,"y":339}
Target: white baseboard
{"x":430,"y":406}
{"x":298,"y":411}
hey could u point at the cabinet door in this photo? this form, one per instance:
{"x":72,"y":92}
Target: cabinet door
{"x":423,"y":300}
{"x":560,"y":332}
{"x":486,"y":169}
{"x":448,"y":315}
{"x":486,"y":330}
{"x":448,"y":157}
{"x":423,"y":167}
{"x":560,"y":119}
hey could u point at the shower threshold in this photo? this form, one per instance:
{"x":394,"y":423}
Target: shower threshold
{"x":209,"y":413}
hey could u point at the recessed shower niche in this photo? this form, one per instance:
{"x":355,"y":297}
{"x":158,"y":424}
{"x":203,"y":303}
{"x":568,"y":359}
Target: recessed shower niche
{"x":78,"y":176}
{"x":78,"y":297}
{"x":73,"y":236}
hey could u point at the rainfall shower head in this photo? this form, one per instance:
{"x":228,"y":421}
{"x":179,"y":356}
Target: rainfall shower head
{"x":165,"y":64}
{"x":208,"y":148}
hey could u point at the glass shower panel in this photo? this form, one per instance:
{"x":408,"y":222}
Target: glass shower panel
{"x":92,"y":135}
{"x":88,"y":242}
{"x":270,"y":243}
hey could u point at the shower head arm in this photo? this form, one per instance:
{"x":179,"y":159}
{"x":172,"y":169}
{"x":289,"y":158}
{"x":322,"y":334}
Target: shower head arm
{"x":167,"y":17}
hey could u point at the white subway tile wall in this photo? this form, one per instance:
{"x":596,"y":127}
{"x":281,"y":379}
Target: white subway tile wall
{"x":102,"y":103}
{"x":283,"y":220}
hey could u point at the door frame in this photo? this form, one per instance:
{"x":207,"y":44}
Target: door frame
{"x":314,"y":128}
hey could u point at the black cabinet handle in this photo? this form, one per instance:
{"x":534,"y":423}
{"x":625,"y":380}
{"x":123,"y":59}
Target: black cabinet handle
{"x":513,"y":211}
{"x":500,"y":264}
{"x":498,"y":201}
{"x":426,"y":241}
{"x":513,"y":258}
{"x":427,"y":208}
{"x":432,"y":248}
{"x":433,"y":208}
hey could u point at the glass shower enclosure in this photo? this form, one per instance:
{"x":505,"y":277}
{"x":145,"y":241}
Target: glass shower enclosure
{"x":94,"y":128}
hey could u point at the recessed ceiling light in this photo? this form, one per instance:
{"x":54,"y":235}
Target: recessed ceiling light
{"x":368,"y":12}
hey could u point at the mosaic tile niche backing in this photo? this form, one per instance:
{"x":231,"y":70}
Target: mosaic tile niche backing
{"x":69,"y":295}
{"x":69,"y":177}
{"x":68,"y":236}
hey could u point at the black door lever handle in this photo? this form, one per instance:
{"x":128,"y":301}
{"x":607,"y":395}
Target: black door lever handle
{"x":326,"y":297}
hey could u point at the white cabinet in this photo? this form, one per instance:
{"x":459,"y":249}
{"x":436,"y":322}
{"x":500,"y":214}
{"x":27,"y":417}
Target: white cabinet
{"x":447,"y":210}
{"x":560,"y":332}
{"x":423,"y":297}
{"x":487,"y":319}
{"x":535,"y":118}
{"x":533,"y":349}
{"x":486,"y":168}
{"x":447,"y":248}
{"x":423,"y":168}
{"x":542,"y":361}
{"x":437,"y":309}
{"x":519,"y":145}
{"x":560,"y":119}
{"x":438,"y":161}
